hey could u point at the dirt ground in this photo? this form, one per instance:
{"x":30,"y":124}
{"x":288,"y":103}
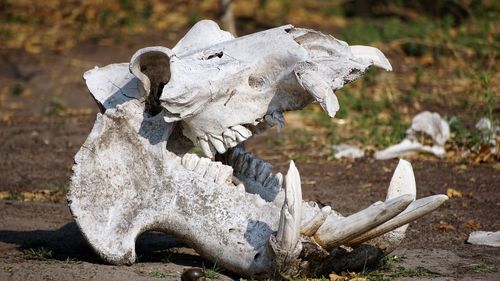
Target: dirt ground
{"x":44,"y":121}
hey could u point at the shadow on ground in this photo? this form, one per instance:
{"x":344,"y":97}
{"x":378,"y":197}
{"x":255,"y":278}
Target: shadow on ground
{"x":68,"y":243}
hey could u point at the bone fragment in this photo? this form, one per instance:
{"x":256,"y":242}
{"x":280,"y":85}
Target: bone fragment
{"x":487,"y":238}
{"x":425,"y":123}
{"x":312,"y":226}
{"x":335,"y":232}
{"x":347,"y":151}
{"x":374,"y":54}
{"x":414,"y":211}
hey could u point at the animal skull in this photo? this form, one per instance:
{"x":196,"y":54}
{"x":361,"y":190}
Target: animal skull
{"x":134,"y":173}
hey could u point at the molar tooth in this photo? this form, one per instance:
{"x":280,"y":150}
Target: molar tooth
{"x":247,"y":158}
{"x":213,"y":170}
{"x":242,"y":133}
{"x":263,"y":171}
{"x":217,"y":143}
{"x":272,"y":181}
{"x":189,"y":161}
{"x":251,"y":171}
{"x":202,"y":166}
{"x":238,"y":162}
{"x":207,"y":149}
{"x":225,"y":174}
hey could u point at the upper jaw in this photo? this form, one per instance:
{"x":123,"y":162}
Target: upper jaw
{"x":218,"y":143}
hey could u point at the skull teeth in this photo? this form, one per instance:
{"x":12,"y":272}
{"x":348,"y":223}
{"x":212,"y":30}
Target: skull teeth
{"x":213,"y":171}
{"x":247,"y":165}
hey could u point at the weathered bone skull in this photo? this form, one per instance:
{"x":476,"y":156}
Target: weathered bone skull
{"x":134,"y":173}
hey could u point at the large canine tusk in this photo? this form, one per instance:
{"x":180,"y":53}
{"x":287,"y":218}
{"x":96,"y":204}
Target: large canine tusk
{"x":416,"y":210}
{"x":291,"y":213}
{"x":337,"y":231}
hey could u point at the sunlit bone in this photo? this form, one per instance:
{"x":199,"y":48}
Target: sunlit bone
{"x":133,"y":173}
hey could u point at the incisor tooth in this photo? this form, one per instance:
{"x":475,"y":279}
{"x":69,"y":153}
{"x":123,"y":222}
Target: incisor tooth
{"x":229,"y":138}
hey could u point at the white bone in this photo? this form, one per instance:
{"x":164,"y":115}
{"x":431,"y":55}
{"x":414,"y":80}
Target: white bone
{"x":312,"y":226}
{"x":414,"y":211}
{"x":373,"y":54}
{"x":334,"y":233}
{"x":291,"y":212}
{"x":127,"y":180}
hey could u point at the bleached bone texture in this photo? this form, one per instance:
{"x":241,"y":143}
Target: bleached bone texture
{"x":134,"y":173}
{"x":424,"y":125}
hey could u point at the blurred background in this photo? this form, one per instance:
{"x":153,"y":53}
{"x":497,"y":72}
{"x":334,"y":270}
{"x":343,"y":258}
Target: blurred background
{"x":444,"y":55}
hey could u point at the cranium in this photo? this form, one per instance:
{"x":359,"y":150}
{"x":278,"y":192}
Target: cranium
{"x":134,"y":172}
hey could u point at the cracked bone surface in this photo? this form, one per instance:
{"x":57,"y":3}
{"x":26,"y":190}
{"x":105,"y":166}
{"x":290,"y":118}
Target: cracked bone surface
{"x":134,"y":173}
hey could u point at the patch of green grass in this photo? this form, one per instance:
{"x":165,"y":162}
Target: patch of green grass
{"x":300,"y":136}
{"x":462,"y":136}
{"x":16,"y":89}
{"x":212,"y":273}
{"x":275,"y":141}
{"x":69,"y":260}
{"x":485,"y":268}
{"x":8,"y":269}
{"x":394,"y":259}
{"x":169,"y":256}
{"x":56,"y":106}
{"x":14,"y":196}
{"x":158,"y":274}
{"x":412,"y":272}
{"x":40,"y":253}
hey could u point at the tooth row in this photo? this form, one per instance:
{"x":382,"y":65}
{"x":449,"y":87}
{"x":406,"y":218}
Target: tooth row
{"x":251,"y":167}
{"x":210,"y":144}
{"x":214,"y":171}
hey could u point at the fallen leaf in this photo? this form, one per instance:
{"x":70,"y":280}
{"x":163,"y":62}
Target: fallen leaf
{"x":445,"y":226}
{"x":472,"y":224}
{"x":451,"y":192}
